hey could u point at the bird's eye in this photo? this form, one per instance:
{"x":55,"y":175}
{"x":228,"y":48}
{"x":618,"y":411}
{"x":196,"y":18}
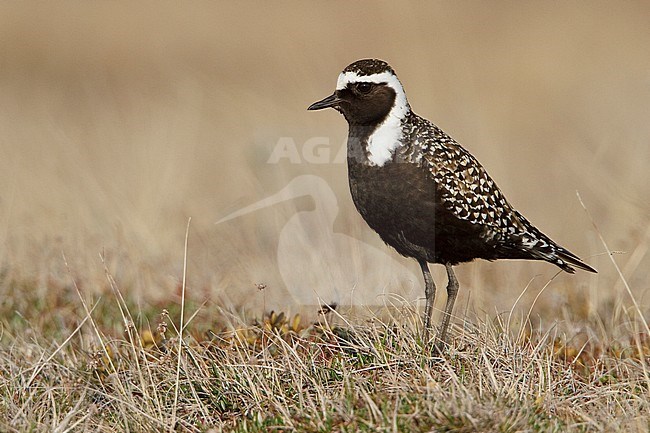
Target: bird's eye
{"x":364,"y":87}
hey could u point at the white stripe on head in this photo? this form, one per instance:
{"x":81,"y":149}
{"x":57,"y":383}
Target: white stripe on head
{"x":386,"y":138}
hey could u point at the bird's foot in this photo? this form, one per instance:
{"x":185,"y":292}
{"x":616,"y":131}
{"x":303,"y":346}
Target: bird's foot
{"x":435,"y":346}
{"x":438,"y":348}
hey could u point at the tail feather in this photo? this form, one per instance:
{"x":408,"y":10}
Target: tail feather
{"x":566,"y":258}
{"x":544,"y":248}
{"x":551,"y":252}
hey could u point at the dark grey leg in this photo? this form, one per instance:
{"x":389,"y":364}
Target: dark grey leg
{"x":430,"y":294}
{"x":452,"y":291}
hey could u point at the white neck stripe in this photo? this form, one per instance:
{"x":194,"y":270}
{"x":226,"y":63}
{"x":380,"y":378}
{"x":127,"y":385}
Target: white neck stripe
{"x":387,"y":137}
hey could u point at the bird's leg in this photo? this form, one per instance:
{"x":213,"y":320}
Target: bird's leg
{"x":452,"y":291}
{"x":430,"y":294}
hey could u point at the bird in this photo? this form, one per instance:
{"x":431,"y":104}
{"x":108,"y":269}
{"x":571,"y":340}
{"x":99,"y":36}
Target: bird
{"x":422,"y":192}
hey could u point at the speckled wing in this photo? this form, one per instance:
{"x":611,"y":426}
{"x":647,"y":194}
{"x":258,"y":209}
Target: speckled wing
{"x":467,"y":192}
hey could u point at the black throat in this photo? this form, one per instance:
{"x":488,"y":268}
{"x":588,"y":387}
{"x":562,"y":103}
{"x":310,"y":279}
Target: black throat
{"x":358,"y":136}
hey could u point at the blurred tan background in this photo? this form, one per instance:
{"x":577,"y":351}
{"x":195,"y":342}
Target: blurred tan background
{"x":120,"y":121}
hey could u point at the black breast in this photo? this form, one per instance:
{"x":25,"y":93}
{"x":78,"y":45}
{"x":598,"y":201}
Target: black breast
{"x":401,"y":202}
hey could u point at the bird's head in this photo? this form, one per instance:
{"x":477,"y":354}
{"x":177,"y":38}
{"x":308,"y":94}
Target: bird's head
{"x":367,"y":92}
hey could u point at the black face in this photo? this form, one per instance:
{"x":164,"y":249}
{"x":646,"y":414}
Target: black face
{"x":361,"y":103}
{"x":365,"y":103}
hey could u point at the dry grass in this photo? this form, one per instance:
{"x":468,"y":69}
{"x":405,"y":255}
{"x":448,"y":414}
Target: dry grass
{"x":119,"y":121}
{"x":101,"y":367}
{"x":110,"y":369}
